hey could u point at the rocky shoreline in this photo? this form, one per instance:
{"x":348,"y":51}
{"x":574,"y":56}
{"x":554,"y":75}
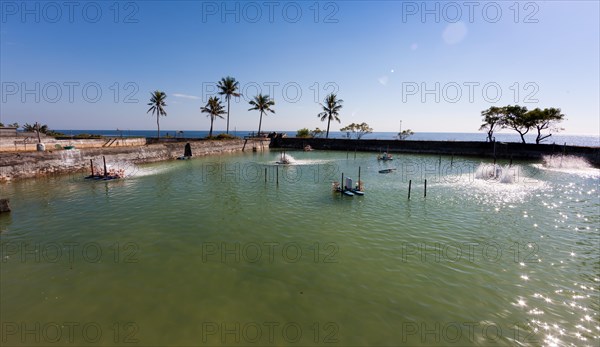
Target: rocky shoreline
{"x":20,"y":165}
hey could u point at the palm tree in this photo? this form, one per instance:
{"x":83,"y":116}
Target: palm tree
{"x":331,"y":110}
{"x":229,"y":87}
{"x":157,"y":103}
{"x":262,"y":103}
{"x":213,"y":109}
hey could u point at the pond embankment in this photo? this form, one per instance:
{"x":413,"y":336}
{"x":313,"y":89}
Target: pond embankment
{"x":498,"y":150}
{"x":18,"y":165}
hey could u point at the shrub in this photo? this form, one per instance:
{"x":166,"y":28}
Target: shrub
{"x":304,"y":132}
{"x":225,"y":137}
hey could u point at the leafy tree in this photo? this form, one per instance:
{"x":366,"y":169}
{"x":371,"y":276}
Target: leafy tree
{"x":304,"y":132}
{"x":316,"y":133}
{"x":228,"y":86}
{"x":13,"y":125}
{"x":1,"y":124}
{"x":263,"y":104}
{"x":404,"y":134}
{"x":36,"y":127}
{"x":213,"y":109}
{"x":492,"y":118}
{"x":358,"y":130}
{"x":331,"y":109}
{"x":516,"y":118}
{"x":157,"y":106}
{"x":545,"y":119}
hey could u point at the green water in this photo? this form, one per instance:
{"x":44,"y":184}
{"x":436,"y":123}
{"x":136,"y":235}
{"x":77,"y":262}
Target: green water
{"x":206,"y":253}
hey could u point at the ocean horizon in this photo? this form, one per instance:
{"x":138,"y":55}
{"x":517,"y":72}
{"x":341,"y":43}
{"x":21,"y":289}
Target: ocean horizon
{"x":559,"y":139}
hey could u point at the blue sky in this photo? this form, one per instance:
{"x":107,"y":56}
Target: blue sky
{"x":433,"y":65}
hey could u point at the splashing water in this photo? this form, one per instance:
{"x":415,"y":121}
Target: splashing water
{"x":286,"y":158}
{"x":568,"y":164}
{"x":565,"y":162}
{"x":124,"y":168}
{"x":496,"y":172}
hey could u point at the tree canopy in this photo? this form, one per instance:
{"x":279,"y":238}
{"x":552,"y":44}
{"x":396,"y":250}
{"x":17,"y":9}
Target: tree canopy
{"x":404,"y":134}
{"x":304,"y":132}
{"x":492,"y":118}
{"x":519,"y":119}
{"x":545,"y":119}
{"x":357,"y":130}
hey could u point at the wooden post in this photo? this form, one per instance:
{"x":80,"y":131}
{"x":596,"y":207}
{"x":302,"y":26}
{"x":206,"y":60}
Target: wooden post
{"x":359,"y":185}
{"x":92,"y":166}
{"x":510,"y":160}
{"x":342,"y":185}
{"x":425,"y":193}
{"x":346,"y":155}
{"x":277,"y":171}
{"x":105,"y":172}
{"x":409,"y":185}
{"x":452,"y":160}
{"x":265,"y":175}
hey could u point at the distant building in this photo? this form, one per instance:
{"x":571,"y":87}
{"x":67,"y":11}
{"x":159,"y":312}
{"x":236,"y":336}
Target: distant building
{"x":8,"y":132}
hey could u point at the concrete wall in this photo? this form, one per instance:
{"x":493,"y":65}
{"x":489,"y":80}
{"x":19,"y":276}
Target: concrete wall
{"x":504,"y":150}
{"x":26,"y":144}
{"x":5,"y":131}
{"x":35,"y":164}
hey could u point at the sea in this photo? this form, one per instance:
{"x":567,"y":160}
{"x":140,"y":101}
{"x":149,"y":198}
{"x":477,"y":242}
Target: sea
{"x":559,"y":139}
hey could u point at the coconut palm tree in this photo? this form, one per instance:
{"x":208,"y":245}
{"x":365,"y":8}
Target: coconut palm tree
{"x":331,"y":110}
{"x":157,"y":103}
{"x":229,"y":87}
{"x":262,"y":103}
{"x":213,"y":109}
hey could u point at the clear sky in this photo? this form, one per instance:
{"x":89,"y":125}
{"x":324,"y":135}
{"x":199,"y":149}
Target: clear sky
{"x":432,"y":65}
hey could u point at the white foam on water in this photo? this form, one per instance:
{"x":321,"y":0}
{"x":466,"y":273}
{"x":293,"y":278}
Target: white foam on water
{"x":150,"y":171}
{"x":568,"y":164}
{"x":495,"y":183}
{"x":128,"y":169}
{"x":565,"y":162}
{"x":289,"y":158}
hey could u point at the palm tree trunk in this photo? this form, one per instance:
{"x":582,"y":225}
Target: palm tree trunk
{"x":228,"y":98}
{"x":259,"y":123}
{"x":211,"y":126}
{"x":328,"y":122}
{"x":158,"y":126}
